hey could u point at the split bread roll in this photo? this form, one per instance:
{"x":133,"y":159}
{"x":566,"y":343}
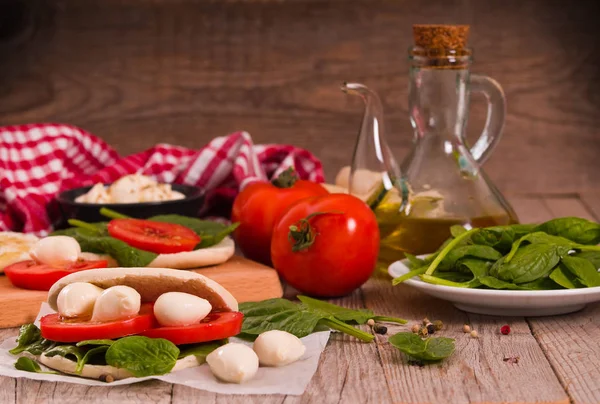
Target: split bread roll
{"x":214,"y":255}
{"x":150,"y":284}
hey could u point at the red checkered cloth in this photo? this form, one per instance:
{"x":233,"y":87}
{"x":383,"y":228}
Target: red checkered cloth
{"x":38,"y":161}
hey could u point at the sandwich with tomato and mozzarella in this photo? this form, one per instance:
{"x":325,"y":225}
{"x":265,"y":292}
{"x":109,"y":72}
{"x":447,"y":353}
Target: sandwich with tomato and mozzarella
{"x":170,"y":241}
{"x":115,"y":323}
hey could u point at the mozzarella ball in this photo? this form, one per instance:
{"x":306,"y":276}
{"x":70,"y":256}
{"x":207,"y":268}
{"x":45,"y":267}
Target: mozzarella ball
{"x":233,"y":363}
{"x":117,"y":303}
{"x":56,"y":251}
{"x":78,"y":299}
{"x":278,"y":348}
{"x":177,"y":309}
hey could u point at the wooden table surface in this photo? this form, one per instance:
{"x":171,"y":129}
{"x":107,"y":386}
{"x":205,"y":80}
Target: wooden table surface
{"x":559,"y":356}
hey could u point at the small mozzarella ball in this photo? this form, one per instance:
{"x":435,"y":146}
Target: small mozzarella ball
{"x":117,"y":303}
{"x":278,"y":348}
{"x":233,"y":363}
{"x":177,"y":309}
{"x":77,"y":299}
{"x":56,"y":251}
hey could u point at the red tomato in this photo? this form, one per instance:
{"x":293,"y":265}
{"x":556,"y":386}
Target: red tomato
{"x":213,"y":327}
{"x":258,"y":208}
{"x":55,"y":328}
{"x":31,"y":275}
{"x":157,"y":237}
{"x":333,"y":248}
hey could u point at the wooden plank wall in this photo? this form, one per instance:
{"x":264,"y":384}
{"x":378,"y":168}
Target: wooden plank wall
{"x":137,"y":72}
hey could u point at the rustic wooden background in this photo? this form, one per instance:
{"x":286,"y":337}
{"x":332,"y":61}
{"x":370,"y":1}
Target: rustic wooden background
{"x":137,"y":72}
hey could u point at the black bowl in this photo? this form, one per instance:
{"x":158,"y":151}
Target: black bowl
{"x":90,"y":212}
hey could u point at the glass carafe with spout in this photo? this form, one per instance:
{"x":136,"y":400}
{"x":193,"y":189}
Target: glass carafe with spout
{"x":440,"y":183}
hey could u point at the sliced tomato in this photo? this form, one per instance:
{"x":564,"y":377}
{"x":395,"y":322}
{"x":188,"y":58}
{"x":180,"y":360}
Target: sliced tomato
{"x":58,"y":329}
{"x":31,"y":275}
{"x":213,"y":327}
{"x":157,"y":237}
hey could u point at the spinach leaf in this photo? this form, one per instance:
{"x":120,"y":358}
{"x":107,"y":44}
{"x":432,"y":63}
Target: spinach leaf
{"x":576,"y":229}
{"x":457,"y":230}
{"x":29,"y":365}
{"x":97,"y":351}
{"x":30,"y":340}
{"x":413,"y":262}
{"x":582,"y":269}
{"x":95,"y":342}
{"x":477,"y":267}
{"x":501,"y":237}
{"x":70,"y":352}
{"x":210,"y":232}
{"x":143,"y":356}
{"x":200,"y":351}
{"x":28,"y":334}
{"x":429,"y":350}
{"x":565,"y":278}
{"x":538,"y":284}
{"x":529,"y":263}
{"x":305,"y":318}
{"x":591,"y":256}
{"x":344,"y":314}
{"x":477,"y":251}
{"x":125,"y":255}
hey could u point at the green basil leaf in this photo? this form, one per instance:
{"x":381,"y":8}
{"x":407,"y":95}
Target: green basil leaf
{"x":565,"y":278}
{"x":143,"y":356}
{"x":582,"y":269}
{"x":576,"y":229}
{"x":277,"y":314}
{"x":29,"y":365}
{"x":210,"y":232}
{"x":200,"y":351}
{"x":529,"y":263}
{"x":429,"y":350}
{"x":95,"y":342}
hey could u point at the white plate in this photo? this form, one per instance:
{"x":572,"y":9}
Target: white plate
{"x":504,"y":302}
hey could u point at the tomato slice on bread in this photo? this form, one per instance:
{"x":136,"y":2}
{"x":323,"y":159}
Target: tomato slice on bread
{"x":56,"y":328}
{"x":157,"y":237}
{"x":31,"y":275}
{"x":215,"y":326}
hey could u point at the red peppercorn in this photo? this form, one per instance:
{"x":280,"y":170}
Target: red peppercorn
{"x":505,"y":329}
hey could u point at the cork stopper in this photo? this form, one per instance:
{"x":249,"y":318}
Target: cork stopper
{"x":431,"y":36}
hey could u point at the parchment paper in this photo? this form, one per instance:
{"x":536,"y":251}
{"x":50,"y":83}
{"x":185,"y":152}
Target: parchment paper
{"x":291,"y":379}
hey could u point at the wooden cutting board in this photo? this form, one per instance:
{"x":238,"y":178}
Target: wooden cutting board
{"x":248,"y":281}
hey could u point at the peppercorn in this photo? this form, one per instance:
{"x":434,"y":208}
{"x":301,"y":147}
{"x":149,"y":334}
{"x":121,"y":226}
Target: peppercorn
{"x":438,"y":325}
{"x":505,"y":329}
{"x":466,"y":328}
{"x":415,"y":328}
{"x":425,"y":321}
{"x":423,"y":332}
{"x":430,"y":328}
{"x":474,"y":334}
{"x":371,"y":322}
{"x":108,"y":378}
{"x":380,"y":329}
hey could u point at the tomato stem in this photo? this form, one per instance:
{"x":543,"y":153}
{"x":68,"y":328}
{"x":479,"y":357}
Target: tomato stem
{"x":83,"y":225}
{"x":286,"y":179}
{"x":111,"y":214}
{"x":302,"y":234}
